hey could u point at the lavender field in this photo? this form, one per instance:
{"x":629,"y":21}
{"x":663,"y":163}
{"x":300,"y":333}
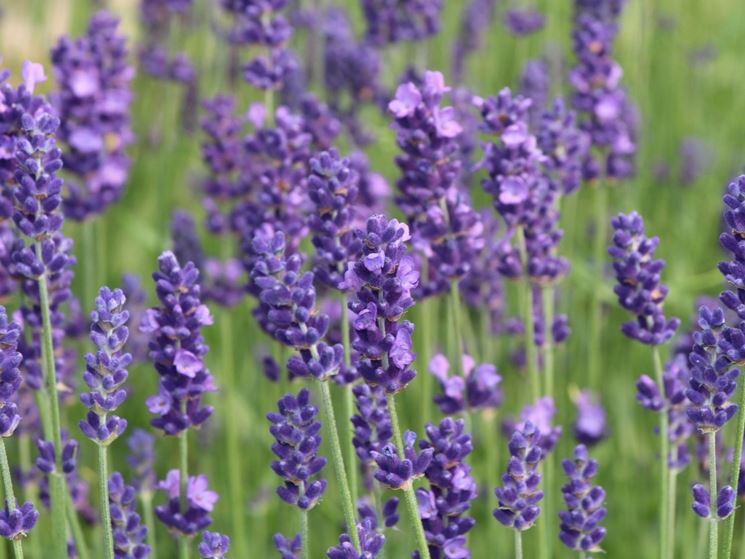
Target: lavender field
{"x":358,"y":279}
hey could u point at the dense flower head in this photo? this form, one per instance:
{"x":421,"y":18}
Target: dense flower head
{"x":713,"y":382}
{"x":17,"y":522}
{"x":638,"y":287}
{"x":371,"y":543}
{"x":520,"y":493}
{"x":388,"y":511}
{"x":540,"y":416}
{"x":93,"y":76}
{"x":580,"y":529}
{"x":604,"y":110}
{"x":214,"y":545}
{"x":128,"y":531}
{"x":396,"y":471}
{"x":141,"y":459}
{"x":444,"y":505}
{"x":702,"y":501}
{"x":332,"y":189}
{"x":177,"y":348}
{"x":296,"y":431}
{"x":288,"y":548}
{"x":287,"y":308}
{"x":523,"y":22}
{"x":382,"y":280}
{"x":106,"y":370}
{"x":731,"y":240}
{"x":478,"y":388}
{"x":401,"y":20}
{"x":371,"y":424}
{"x":200,"y":501}
{"x":591,"y":424}
{"x":46,"y":461}
{"x":10,"y":375}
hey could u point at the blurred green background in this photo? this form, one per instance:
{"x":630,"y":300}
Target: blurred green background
{"x":683,"y":64}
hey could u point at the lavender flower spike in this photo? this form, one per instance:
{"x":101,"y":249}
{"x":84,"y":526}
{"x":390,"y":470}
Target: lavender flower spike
{"x":16,"y":523}
{"x":702,"y":502}
{"x":638,"y":275}
{"x":200,"y":501}
{"x":398,"y":472}
{"x":129,"y":533}
{"x":580,"y":528}
{"x":106,"y":370}
{"x":214,"y":545}
{"x":371,"y":543}
{"x":10,"y":376}
{"x":734,"y":269}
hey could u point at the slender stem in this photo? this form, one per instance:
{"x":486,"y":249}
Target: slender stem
{"x":671,"y":496}
{"x":593,"y":347}
{"x":56,"y":483}
{"x":75,"y":528}
{"x":713,"y":522}
{"x":664,"y":552}
{"x":729,"y":526}
{"x":528,"y":321}
{"x":427,"y":306}
{"x":548,"y":343}
{"x":183,"y":478}
{"x":338,"y":458}
{"x":409,"y":495}
{"x":29,"y":487}
{"x":103,"y":494}
{"x":518,"y":544}
{"x":10,"y":497}
{"x":147,"y":508}
{"x":349,"y":404}
{"x":455,"y":308}
{"x":304,"y":534}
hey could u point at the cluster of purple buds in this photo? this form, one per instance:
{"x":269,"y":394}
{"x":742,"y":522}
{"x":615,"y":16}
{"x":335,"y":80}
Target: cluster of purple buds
{"x":287,"y":309}
{"x":399,"y":472}
{"x":106,"y":370}
{"x":731,"y":240}
{"x":371,"y":424}
{"x":214,"y":545}
{"x":393,"y":22}
{"x":296,"y":432}
{"x":199,"y":502}
{"x":713,"y":382}
{"x":591,"y":424}
{"x":177,"y":348}
{"x":604,"y":110}
{"x":10,"y":376}
{"x":445,"y":229}
{"x":518,"y":498}
{"x":444,"y":505}
{"x":540,"y":416}
{"x":478,"y":388}
{"x":580,"y":523}
{"x":332,"y":189}
{"x":17,"y":522}
{"x":288,"y":548}
{"x":371,"y":543}
{"x":638,"y":281}
{"x":46,"y":461}
{"x":155,"y":61}
{"x":129,"y":533}
{"x":522,"y":23}
{"x":388,"y":512}
{"x":93,"y":102}
{"x":382,"y":280}
{"x":702,"y":501}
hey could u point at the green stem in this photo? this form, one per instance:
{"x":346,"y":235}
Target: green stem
{"x":338,"y":459}
{"x":10,"y":497}
{"x":183,"y":479}
{"x":729,"y":526}
{"x":103,"y":494}
{"x":527,"y":311}
{"x":349,"y":403}
{"x":671,"y":496}
{"x":147,"y":510}
{"x":455,"y":308}
{"x":304,"y":534}
{"x":75,"y":528}
{"x":24,"y":452}
{"x":664,"y":501}
{"x":56,"y":483}
{"x":409,"y":495}
{"x":427,"y":306}
{"x":593,"y":347}
{"x":548,"y":343}
{"x":713,"y":522}
{"x":518,"y":544}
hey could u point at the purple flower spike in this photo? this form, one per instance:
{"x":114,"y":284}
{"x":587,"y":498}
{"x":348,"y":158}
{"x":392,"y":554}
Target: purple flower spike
{"x":734,"y":269}
{"x":296,"y":431}
{"x":580,"y":529}
{"x":518,"y":498}
{"x":129,"y":533}
{"x":200,"y":501}
{"x":541,"y":415}
{"x":15,"y":524}
{"x":332,"y":189}
{"x":177,"y":348}
{"x":93,"y":102}
{"x":214,"y":545}
{"x":287,"y":309}
{"x":10,"y":376}
{"x":382,"y":280}
{"x":393,"y":22}
{"x":371,"y":543}
{"x":702,"y":501}
{"x":638,"y":275}
{"x":288,"y":549}
{"x":478,"y":389}
{"x":591,"y":425}
{"x":398,"y":472}
{"x":106,"y":370}
{"x":372,"y":423}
